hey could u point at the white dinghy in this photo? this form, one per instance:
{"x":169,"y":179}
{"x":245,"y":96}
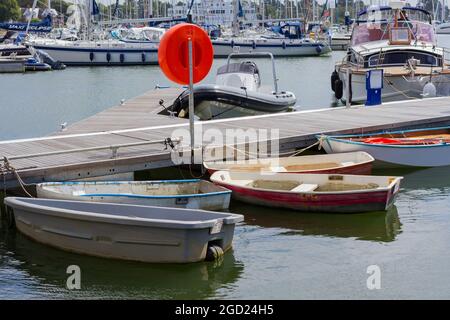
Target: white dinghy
{"x":189,"y":193}
{"x":127,"y":232}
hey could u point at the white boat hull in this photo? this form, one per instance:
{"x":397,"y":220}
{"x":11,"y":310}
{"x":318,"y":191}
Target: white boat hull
{"x":222,"y":48}
{"x":416,"y":156}
{"x":339,"y":43}
{"x":395,"y":88}
{"x":104,"y":53}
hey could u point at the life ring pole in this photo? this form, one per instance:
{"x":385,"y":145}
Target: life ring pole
{"x":191,"y":97}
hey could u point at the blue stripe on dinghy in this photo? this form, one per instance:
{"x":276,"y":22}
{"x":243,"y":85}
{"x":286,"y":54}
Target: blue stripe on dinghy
{"x":127,"y":195}
{"x":119,"y":182}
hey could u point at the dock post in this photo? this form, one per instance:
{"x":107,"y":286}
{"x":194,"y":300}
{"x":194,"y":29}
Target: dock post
{"x":347,"y":88}
{"x":191,"y":98}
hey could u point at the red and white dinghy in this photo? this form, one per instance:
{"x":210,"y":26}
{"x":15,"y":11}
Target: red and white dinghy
{"x":342,"y":163}
{"x":312,"y":192}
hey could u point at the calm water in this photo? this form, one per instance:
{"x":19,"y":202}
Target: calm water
{"x":277,"y":253}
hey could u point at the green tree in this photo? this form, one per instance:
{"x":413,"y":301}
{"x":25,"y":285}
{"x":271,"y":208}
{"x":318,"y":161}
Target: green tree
{"x":9,"y":10}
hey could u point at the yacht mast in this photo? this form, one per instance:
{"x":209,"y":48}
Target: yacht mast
{"x":314,"y":11}
{"x":443,"y":11}
{"x":235,"y":17}
{"x":31,"y":16}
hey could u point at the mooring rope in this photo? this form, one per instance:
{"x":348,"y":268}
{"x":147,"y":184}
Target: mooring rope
{"x":289,"y":153}
{"x":8,"y":168}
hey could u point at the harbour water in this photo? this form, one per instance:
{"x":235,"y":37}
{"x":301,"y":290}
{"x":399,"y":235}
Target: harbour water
{"x":277,"y":253}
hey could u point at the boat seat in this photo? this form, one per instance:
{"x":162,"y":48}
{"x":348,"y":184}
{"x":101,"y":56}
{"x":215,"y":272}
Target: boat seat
{"x":305,"y":187}
{"x":347,"y":163}
{"x":277,"y":169}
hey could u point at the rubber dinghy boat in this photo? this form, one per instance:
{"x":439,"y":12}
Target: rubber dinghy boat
{"x":189,"y":193}
{"x":128,"y":232}
{"x":343,"y":163}
{"x":237,"y":92}
{"x":312,"y":192}
{"x":418,"y":148}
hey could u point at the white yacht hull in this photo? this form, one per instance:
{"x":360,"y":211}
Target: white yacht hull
{"x":339,"y":43}
{"x":105,"y":53}
{"x":222,"y":48}
{"x":395,"y":88}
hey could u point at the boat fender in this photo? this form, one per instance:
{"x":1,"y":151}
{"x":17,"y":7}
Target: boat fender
{"x":319,"y":49}
{"x":91,"y":56}
{"x":213,"y":253}
{"x":334,"y":77}
{"x":254,"y":44}
{"x":284,"y":45}
{"x":122,"y":58}
{"x":143,"y":57}
{"x":232,"y":43}
{"x":429,"y":90}
{"x":9,"y":218}
{"x":108,"y":57}
{"x":338,"y":89}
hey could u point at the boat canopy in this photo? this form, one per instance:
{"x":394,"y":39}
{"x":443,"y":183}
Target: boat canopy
{"x":381,"y":13}
{"x":385,"y":8}
{"x":364,"y":33}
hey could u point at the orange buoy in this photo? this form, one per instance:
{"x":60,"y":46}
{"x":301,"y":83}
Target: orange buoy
{"x":173,"y":54}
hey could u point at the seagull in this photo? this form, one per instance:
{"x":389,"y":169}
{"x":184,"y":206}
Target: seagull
{"x":63,"y":126}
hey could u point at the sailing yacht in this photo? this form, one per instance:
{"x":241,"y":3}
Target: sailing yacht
{"x":288,"y":40}
{"x":400,"y":41}
{"x":96,"y":51}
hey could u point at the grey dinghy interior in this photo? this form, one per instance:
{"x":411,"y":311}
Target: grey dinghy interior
{"x":237,"y":91}
{"x":127,"y":232}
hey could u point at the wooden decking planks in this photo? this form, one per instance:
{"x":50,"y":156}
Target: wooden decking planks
{"x":137,"y":120}
{"x":137,"y":112}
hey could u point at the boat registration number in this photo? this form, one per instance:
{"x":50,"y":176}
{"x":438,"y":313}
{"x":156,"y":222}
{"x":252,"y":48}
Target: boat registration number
{"x":217,"y":227}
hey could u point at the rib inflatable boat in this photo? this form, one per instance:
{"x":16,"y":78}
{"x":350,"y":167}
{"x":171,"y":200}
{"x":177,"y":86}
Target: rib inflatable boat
{"x":236,"y":92}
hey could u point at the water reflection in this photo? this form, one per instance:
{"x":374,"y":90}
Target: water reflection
{"x":438,"y":177}
{"x":376,"y":226}
{"x":36,"y":271}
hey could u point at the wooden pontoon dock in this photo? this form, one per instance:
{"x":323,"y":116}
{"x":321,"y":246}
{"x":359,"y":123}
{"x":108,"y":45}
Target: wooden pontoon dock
{"x":130,"y":137}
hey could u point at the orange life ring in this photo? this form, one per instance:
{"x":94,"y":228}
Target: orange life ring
{"x":173,"y":53}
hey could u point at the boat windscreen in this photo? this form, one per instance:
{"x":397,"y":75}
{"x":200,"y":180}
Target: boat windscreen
{"x":241,"y":67}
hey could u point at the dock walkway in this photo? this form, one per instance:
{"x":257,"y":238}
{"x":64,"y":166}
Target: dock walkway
{"x":129,"y":137}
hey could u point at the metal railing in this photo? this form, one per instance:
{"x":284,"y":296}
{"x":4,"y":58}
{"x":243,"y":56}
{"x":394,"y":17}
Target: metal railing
{"x":114,"y":149}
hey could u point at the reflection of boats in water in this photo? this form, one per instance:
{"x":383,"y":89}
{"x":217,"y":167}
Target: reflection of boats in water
{"x":42,"y":272}
{"x":430,"y":178}
{"x":376,"y":226}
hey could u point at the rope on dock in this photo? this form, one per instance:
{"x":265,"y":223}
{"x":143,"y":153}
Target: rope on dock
{"x":6,"y":168}
{"x":289,"y":153}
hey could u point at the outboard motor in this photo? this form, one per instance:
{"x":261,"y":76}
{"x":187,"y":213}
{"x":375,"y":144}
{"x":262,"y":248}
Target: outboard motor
{"x":46,"y":58}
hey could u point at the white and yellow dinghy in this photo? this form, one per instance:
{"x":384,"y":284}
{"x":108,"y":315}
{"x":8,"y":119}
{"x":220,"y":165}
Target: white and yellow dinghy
{"x":189,"y":193}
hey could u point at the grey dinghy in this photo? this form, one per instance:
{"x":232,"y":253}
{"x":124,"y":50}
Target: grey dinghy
{"x":128,"y":232}
{"x":236,"y":92}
